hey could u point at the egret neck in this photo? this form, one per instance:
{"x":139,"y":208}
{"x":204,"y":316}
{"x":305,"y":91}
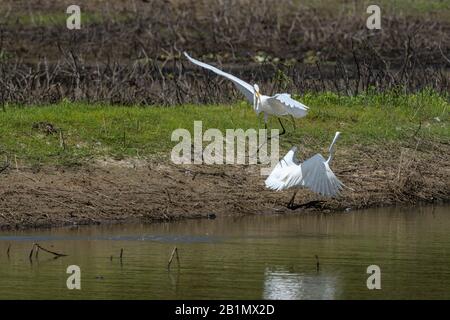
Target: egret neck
{"x":256,"y":97}
{"x":331,"y":149}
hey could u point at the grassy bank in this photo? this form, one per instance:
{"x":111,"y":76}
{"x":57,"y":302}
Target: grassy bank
{"x":394,"y":150}
{"x":119,"y":132}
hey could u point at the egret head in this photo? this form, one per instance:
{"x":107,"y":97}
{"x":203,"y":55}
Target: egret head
{"x":256,"y":87}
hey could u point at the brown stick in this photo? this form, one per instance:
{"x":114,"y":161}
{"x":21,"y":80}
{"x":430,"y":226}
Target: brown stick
{"x":46,"y":250}
{"x":3,"y":168}
{"x":30,"y":256}
{"x":317,"y":263}
{"x":443,"y":55}
{"x":174,"y":252}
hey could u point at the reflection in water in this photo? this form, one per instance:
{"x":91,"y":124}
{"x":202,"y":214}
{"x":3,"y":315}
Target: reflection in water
{"x":284,"y":285}
{"x":253,"y":257}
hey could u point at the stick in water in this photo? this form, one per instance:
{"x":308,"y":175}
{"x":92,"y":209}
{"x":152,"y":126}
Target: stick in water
{"x":30,"y":256}
{"x":317,"y":263}
{"x":174,"y":252}
{"x":38,"y":247}
{"x":52,"y":252}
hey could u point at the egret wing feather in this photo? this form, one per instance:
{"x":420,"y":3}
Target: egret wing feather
{"x":295,"y":178}
{"x":276,"y":180}
{"x":282,"y":172}
{"x":245,"y":88}
{"x":318,"y":177}
{"x":285,"y":105}
{"x":290,"y":157}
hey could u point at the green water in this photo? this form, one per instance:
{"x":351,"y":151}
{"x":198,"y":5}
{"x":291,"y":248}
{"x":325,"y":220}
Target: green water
{"x":252,"y":257}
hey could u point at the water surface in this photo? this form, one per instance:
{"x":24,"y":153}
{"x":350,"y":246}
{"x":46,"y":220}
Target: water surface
{"x":251,"y":257}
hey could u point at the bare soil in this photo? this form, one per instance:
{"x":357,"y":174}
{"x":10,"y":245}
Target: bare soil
{"x":117,"y":192}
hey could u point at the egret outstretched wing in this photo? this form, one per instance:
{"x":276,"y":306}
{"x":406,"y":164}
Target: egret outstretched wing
{"x":314,"y":174}
{"x":318,"y":177}
{"x":244,"y":87}
{"x":285,"y":105}
{"x":285,"y":168}
{"x":290,"y":158}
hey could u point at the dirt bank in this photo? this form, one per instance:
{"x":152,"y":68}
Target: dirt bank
{"x":108,"y":191}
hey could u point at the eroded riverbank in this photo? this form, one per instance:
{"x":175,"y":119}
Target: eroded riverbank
{"x":138,"y":191}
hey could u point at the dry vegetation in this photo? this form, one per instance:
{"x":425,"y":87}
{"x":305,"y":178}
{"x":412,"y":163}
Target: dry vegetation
{"x":130,"y":53}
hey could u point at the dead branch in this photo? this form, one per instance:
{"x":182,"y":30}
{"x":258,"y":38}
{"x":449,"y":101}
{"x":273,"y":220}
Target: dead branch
{"x":39,"y":247}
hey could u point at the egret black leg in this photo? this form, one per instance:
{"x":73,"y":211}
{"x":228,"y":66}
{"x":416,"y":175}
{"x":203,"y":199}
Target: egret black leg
{"x":282,"y":127}
{"x":291,"y":202}
{"x":267,"y":139}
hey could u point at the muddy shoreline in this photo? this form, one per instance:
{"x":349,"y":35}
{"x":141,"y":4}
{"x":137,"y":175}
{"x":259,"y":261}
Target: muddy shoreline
{"x":148,"y":191}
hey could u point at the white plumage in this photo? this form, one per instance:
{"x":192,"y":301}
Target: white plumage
{"x":283,"y":171}
{"x":314,"y":173}
{"x":278,"y":105}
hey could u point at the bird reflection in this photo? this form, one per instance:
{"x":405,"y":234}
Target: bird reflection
{"x":280,"y":284}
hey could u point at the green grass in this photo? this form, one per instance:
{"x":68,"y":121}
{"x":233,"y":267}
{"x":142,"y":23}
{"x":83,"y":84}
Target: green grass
{"x":417,"y":8}
{"x":48,"y":19}
{"x":437,"y":9}
{"x":92,"y":131}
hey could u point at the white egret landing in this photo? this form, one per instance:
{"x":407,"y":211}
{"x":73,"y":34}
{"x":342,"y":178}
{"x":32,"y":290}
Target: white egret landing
{"x":314,"y":174}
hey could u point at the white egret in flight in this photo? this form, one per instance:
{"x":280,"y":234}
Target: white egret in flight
{"x":314,"y":174}
{"x":278,"y":105}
